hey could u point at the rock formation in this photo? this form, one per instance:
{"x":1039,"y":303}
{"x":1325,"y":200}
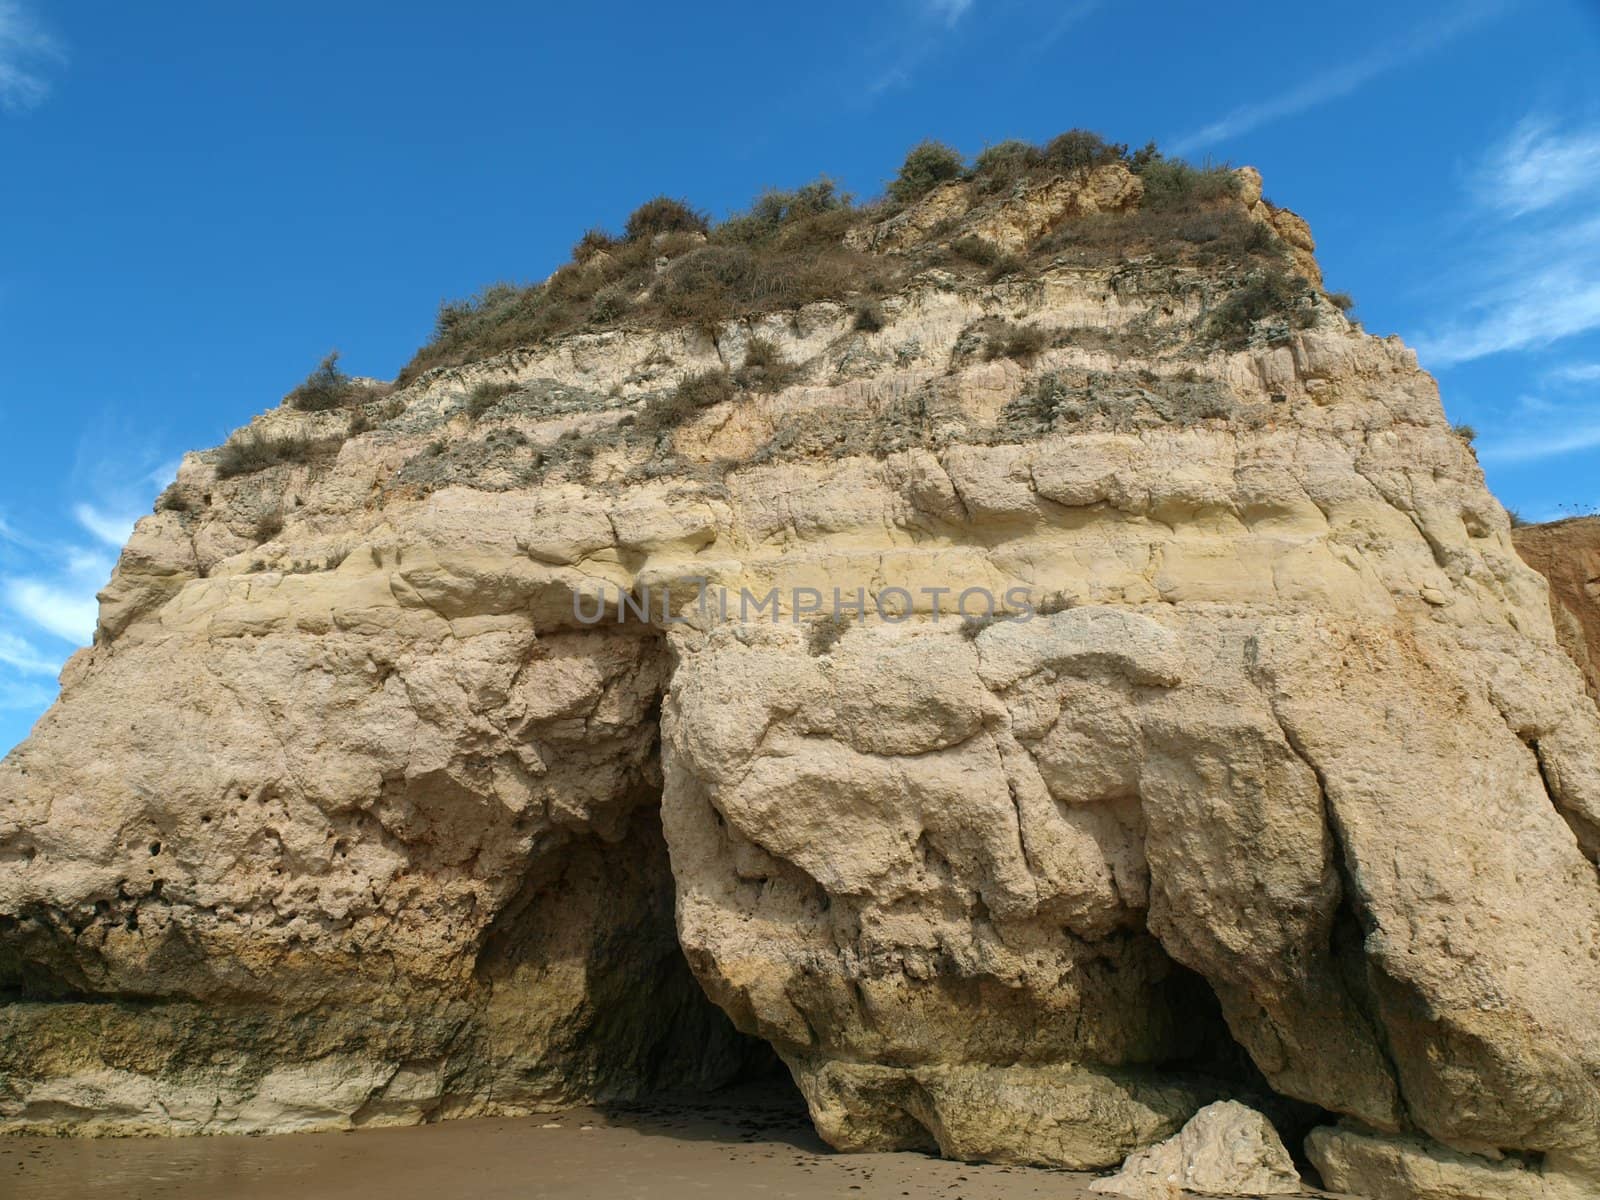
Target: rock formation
{"x":1226,"y":1149}
{"x":354,"y":811}
{"x":1567,"y":553}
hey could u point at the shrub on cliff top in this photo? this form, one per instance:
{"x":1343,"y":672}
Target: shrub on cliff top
{"x":593,"y":242}
{"x":1079,"y":149}
{"x":928,"y":165}
{"x":663,"y":215}
{"x":1173,"y":183}
{"x":788,"y":249}
{"x":1005,"y":163}
{"x":776,"y":209}
{"x":326,"y":388}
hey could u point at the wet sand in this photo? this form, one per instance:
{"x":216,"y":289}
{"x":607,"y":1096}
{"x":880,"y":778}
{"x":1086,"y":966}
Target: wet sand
{"x":752,"y":1143}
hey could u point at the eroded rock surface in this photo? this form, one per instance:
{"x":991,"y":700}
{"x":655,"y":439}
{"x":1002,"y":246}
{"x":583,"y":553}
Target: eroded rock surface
{"x":1226,"y":1149}
{"x":1414,"y":1169}
{"x":1567,"y":553}
{"x":1288,"y":786}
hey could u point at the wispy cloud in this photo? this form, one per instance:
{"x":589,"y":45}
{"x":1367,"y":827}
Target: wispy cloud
{"x":1343,"y":79}
{"x":1563,"y":418}
{"x":947,"y":11}
{"x":25,"y":695}
{"x":1063,"y":17}
{"x":1533,"y":447}
{"x":932,"y":21}
{"x":111,"y":528}
{"x":1553,"y":301}
{"x":49,"y":580}
{"x":1534,"y":278}
{"x":23,"y":656}
{"x":27,"y":54}
{"x":1538,"y":166}
{"x":1575,"y":373}
{"x":65,"y":610}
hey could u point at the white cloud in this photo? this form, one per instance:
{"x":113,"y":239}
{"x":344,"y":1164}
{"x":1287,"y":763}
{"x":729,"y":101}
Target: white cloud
{"x":898,"y":63}
{"x":1537,"y":167}
{"x":111,"y":528}
{"x":1575,"y":373}
{"x":68,"y":612}
{"x":25,"y":695}
{"x":26,"y":52}
{"x":1531,"y":448}
{"x":1534,"y":273}
{"x":1344,"y":79}
{"x":21,"y":655}
{"x":1552,"y":303}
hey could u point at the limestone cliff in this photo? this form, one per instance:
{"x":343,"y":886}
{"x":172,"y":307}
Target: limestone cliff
{"x":1287,"y":787}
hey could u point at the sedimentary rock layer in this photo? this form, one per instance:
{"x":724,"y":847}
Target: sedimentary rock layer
{"x":1286,"y":787}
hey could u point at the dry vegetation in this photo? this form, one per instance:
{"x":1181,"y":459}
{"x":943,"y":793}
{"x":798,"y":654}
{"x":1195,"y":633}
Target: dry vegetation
{"x":328,"y":387}
{"x":672,"y":266}
{"x":249,"y":451}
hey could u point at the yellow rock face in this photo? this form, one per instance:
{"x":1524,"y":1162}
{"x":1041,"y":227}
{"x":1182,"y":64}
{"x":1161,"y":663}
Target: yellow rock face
{"x":1286,"y":785}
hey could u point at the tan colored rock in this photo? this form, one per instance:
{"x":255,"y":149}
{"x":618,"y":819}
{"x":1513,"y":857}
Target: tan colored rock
{"x":1414,"y":1169}
{"x":1226,"y":1149}
{"x":1012,"y":222}
{"x":1286,"y":785}
{"x":1567,"y":553}
{"x":1292,"y":228}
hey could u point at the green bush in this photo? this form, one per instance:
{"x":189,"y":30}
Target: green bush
{"x":774,"y":209}
{"x":661,"y":413}
{"x":268,"y":526}
{"x":485,"y":396}
{"x":595,"y":241}
{"x":664,"y":215}
{"x":1079,"y":149}
{"x":719,"y":282}
{"x":251,"y":451}
{"x":869,"y":317}
{"x":1467,"y":433}
{"x":1005,"y":164}
{"x":172,"y":500}
{"x":928,"y":165}
{"x":765,"y":369}
{"x":326,"y":388}
{"x":825,"y":633}
{"x":1343,"y":301}
{"x":1021,"y":342}
{"x":1269,"y":293}
{"x":1173,"y":183}
{"x":610,"y":305}
{"x":976,"y":250}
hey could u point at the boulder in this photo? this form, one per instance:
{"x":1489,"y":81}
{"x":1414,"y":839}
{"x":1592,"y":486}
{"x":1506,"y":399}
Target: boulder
{"x":1226,"y":1149}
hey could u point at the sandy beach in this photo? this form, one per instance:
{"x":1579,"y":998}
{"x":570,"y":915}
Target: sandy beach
{"x":754,"y":1142}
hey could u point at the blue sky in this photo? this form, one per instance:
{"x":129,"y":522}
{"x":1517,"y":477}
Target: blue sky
{"x":198,"y":200}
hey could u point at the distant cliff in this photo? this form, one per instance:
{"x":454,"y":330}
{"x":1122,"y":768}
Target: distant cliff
{"x":1567,"y":553}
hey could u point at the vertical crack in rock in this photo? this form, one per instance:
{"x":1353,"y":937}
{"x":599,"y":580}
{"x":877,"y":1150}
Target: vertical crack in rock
{"x":1347,"y":935}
